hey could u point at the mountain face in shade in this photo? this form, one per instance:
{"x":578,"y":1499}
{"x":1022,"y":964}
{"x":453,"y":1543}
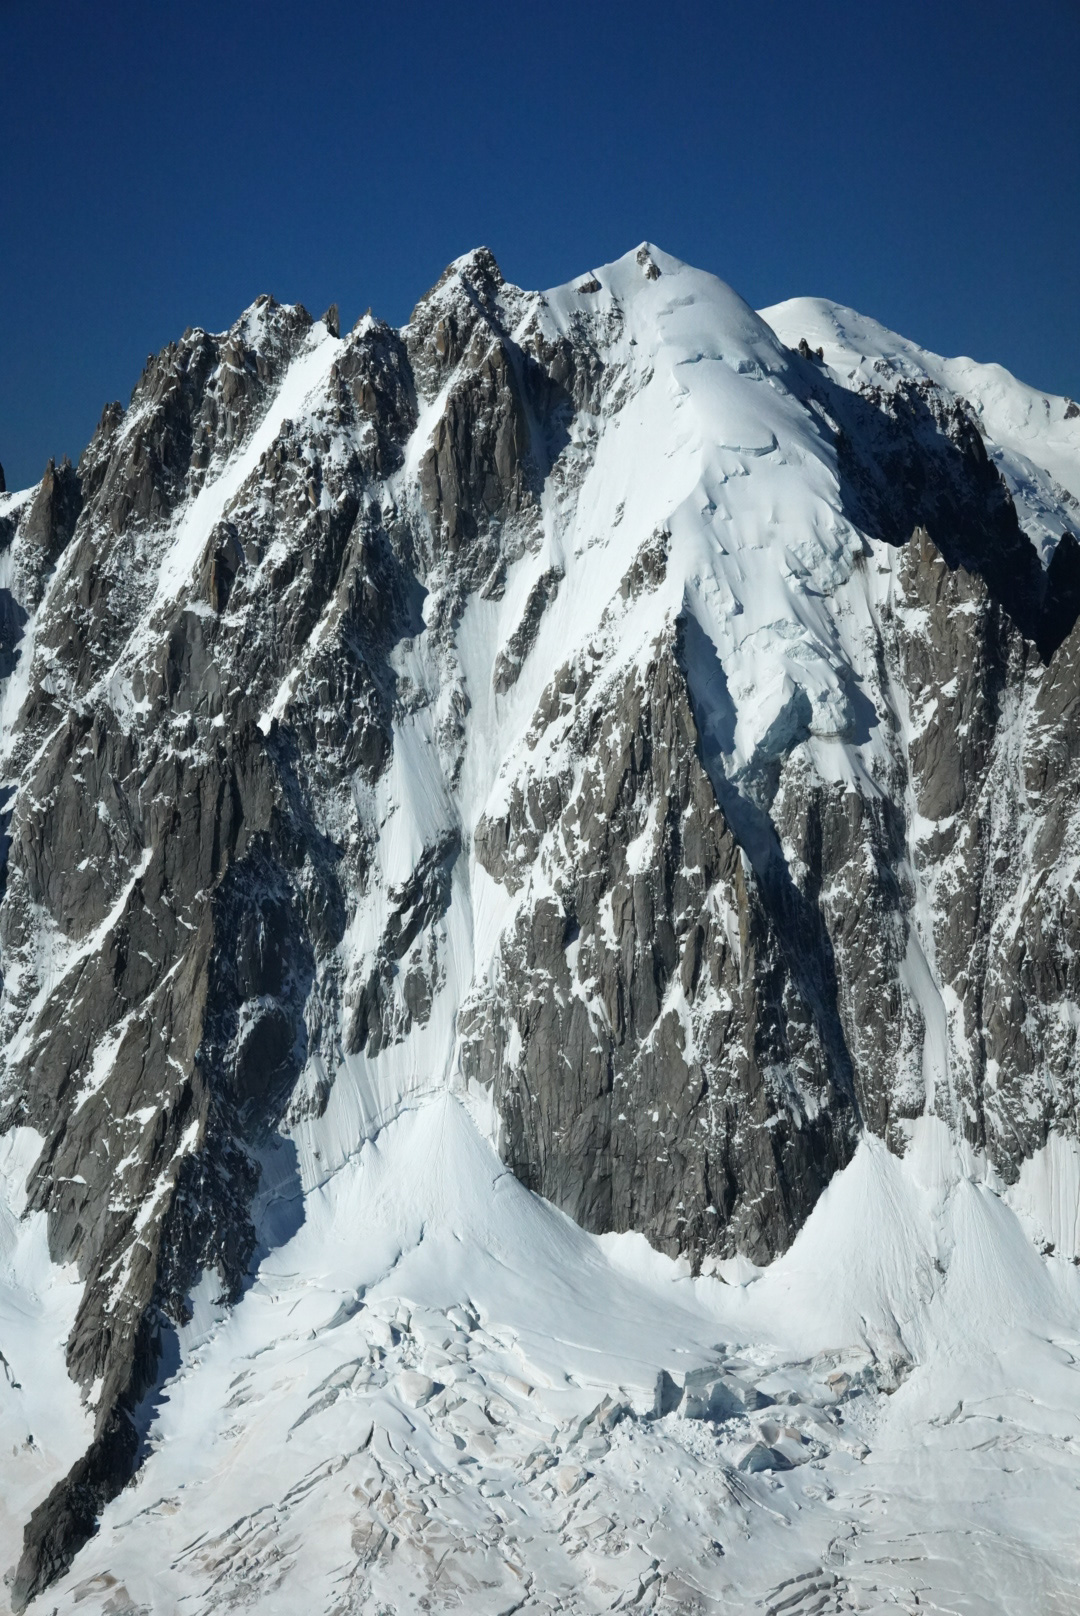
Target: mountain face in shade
{"x":536,"y":841}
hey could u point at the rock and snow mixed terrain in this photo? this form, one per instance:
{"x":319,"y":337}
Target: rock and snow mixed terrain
{"x":541,"y":969}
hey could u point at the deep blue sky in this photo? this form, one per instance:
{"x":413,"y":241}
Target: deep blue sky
{"x":162,"y":164}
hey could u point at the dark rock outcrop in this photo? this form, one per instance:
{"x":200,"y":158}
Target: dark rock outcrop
{"x":652,"y":984}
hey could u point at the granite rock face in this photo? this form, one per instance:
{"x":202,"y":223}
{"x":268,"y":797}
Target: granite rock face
{"x":582,"y":700}
{"x":650,"y":981}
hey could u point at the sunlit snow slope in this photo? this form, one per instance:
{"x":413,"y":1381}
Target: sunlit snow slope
{"x":540,"y":989}
{"x":1033,"y":437}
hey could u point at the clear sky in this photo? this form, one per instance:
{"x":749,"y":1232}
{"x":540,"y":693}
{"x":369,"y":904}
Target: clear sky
{"x":163,"y":163}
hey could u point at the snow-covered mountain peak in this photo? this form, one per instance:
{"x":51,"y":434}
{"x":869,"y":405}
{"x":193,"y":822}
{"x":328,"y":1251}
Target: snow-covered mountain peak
{"x":668,"y":304}
{"x":539,"y":961}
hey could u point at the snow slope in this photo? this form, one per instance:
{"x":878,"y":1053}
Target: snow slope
{"x":1033,"y":437}
{"x":410,"y":1404}
{"x":43,"y":1424}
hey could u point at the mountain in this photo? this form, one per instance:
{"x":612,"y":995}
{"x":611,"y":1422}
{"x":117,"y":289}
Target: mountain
{"x":541,"y":969}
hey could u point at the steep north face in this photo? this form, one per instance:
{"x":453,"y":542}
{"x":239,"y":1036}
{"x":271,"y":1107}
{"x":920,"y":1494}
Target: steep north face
{"x":593,"y":704}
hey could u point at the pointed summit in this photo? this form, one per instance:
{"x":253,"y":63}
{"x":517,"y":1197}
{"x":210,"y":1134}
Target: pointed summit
{"x":650,"y":268}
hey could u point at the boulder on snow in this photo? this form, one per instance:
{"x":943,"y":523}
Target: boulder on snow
{"x":785,"y":1440}
{"x":599,"y":1420}
{"x":568,"y":1478}
{"x":760,"y":1457}
{"x":709,"y":1395}
{"x":710,"y":1400}
{"x":667,"y":1396}
{"x":416,"y":1389}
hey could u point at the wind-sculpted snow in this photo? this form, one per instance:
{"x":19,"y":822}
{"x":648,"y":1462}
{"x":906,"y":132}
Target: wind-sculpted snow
{"x":539,"y":987}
